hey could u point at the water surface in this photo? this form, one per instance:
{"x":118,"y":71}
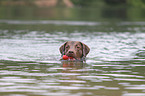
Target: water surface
{"x":30,"y":65}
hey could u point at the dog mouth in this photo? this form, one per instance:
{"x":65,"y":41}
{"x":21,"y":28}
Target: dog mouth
{"x":70,"y":55}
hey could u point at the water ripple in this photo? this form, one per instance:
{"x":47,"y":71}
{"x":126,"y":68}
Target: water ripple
{"x":29,"y":60}
{"x":56,"y":22}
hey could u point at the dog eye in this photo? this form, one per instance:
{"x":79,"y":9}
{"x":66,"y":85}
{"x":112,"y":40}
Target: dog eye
{"x":67,"y":47}
{"x":78,"y":47}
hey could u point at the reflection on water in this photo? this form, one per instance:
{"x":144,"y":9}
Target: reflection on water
{"x":55,"y":22}
{"x":30,"y":62}
{"x":70,"y":78}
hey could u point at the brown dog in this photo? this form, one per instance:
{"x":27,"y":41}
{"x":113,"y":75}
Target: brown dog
{"x":75,"y":49}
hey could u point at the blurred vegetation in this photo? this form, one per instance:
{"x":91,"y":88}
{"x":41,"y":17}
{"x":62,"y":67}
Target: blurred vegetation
{"x":138,"y":3}
{"x":83,"y":10}
{"x":83,"y":3}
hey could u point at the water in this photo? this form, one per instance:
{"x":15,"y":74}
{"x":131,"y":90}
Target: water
{"x":30,"y":65}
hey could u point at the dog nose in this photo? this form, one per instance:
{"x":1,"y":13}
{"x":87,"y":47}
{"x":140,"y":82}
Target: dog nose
{"x":71,"y":52}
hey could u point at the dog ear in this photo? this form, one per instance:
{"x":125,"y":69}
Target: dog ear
{"x":85,"y":50}
{"x":62,"y":48}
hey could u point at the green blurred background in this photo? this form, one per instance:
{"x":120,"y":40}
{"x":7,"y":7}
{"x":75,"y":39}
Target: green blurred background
{"x":82,"y":10}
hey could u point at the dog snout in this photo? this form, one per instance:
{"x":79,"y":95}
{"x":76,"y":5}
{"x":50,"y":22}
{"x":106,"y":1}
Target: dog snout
{"x":71,"y":52}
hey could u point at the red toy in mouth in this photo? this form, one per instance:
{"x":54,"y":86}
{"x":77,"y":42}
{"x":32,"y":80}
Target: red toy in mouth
{"x":65,"y":57}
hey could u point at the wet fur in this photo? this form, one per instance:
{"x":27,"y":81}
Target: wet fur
{"x":75,"y":49}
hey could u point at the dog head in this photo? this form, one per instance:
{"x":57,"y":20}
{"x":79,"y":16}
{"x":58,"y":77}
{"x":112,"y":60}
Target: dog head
{"x":75,"y":49}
